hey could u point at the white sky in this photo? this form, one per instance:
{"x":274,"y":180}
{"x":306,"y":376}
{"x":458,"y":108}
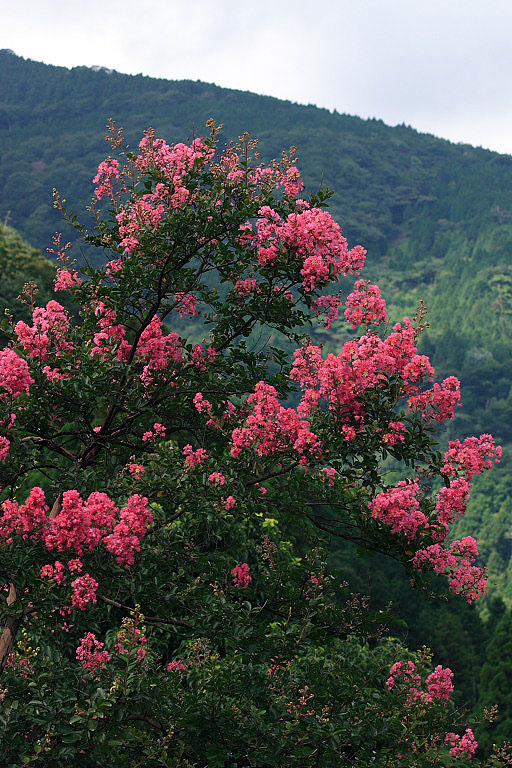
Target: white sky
{"x":442,"y":66}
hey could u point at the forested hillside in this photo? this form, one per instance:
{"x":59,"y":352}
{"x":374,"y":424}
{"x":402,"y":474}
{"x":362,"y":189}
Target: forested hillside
{"x":435,"y":217}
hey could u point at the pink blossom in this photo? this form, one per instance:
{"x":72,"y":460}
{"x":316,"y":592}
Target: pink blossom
{"x":365,"y":306}
{"x":176,"y":666}
{"x":229,"y":502}
{"x":186,"y":304}
{"x":48,"y":332}
{"x":328,"y":305}
{"x":125,"y":539}
{"x":462,"y":747}
{"x":241,"y":576}
{"x":5,"y":444}
{"x":246,"y":287}
{"x":395,"y":434}
{"x":192,"y":458}
{"x":54,"y":572}
{"x":137,"y":470}
{"x":439,"y":684}
{"x":66,"y":280}
{"x":451,"y":503}
{"x":217,"y":478}
{"x":158,"y":350}
{"x":456,"y":562}
{"x":272,"y":428}
{"x":26,"y":520}
{"x":292,"y":182}
{"x":200,"y":356}
{"x":472,"y":456}
{"x":439,"y":402}
{"x":202,"y":404}
{"x":84,"y":591}
{"x":329,"y":474}
{"x":315,"y":238}
{"x":399,"y":508}
{"x":114,"y":267}
{"x":15,"y":375}
{"x":90,"y":652}
{"x":108,"y":173}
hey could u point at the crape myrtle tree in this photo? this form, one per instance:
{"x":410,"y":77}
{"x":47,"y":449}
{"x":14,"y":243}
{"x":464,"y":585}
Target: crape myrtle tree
{"x":166,"y":597}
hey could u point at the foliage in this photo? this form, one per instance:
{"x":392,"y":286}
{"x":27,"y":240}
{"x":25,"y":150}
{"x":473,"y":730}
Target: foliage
{"x":495,"y":685}
{"x":190,"y":618}
{"x":434,"y":215}
{"x":21,"y":264}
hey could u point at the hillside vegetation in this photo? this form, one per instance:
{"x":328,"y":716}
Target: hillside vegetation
{"x":435,"y":217}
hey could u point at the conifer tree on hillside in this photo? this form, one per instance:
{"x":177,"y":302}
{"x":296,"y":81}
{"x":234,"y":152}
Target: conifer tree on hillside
{"x":496,"y":685}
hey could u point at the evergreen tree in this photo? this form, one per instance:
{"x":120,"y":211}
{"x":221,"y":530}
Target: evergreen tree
{"x":496,"y":686}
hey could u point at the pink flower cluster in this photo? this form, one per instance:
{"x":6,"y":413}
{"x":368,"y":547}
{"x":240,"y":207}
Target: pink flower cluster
{"x":292,"y":182}
{"x":111,"y":333}
{"x":241,"y":576}
{"x":90,"y":652}
{"x":108,"y":174}
{"x":15,"y":375}
{"x":176,"y":666}
{"x":158,"y":431}
{"x":186,"y":304}
{"x":142,"y":215}
{"x":395,"y":434}
{"x":246,"y":287}
{"x":201,"y":357}
{"x":217,"y":478}
{"x":28,"y":520}
{"x":472,"y":456}
{"x":462,"y":747}
{"x":66,"y":280}
{"x":450,"y":503}
{"x":137,"y":470}
{"x":5,"y":444}
{"x":329,"y":474}
{"x":364,"y":363}
{"x":270,"y":428}
{"x":84,"y":591}
{"x":399,"y":508}
{"x":439,"y":402}
{"x":50,"y":325}
{"x":365,"y":305}
{"x":56,"y":572}
{"x":328,"y":305}
{"x":438,"y":685}
{"x":173,"y":163}
{"x":464,"y":578}
{"x":134,"y":520}
{"x":79,"y":525}
{"x":315,"y":238}
{"x":193,"y":458}
{"x":159,"y":351}
{"x":202,"y":404}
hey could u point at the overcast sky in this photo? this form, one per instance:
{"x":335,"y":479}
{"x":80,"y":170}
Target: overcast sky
{"x":442,"y":66}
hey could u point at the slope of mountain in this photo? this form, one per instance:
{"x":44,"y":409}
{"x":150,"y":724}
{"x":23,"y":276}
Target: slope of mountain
{"x":435,"y":217}
{"x":21,"y":264}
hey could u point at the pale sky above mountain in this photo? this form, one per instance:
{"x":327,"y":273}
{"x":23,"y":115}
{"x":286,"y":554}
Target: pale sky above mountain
{"x":442,"y":66}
